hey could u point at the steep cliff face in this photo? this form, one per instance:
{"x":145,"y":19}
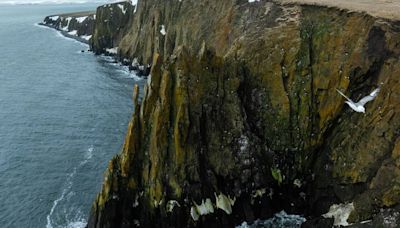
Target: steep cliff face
{"x":111,"y":22}
{"x":241,"y":117}
{"x":78,"y":25}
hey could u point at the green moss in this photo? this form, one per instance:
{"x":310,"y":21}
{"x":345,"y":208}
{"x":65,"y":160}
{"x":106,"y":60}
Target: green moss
{"x":223,"y":107}
{"x":277,"y":175}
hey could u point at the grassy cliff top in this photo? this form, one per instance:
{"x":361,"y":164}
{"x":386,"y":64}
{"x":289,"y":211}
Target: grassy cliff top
{"x":389,"y":9}
{"x":77,"y":14}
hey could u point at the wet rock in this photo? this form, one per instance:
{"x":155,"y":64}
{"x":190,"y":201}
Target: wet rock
{"x":387,"y":218}
{"x":319,"y":222}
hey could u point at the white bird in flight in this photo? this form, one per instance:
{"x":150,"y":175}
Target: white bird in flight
{"x":359,"y":106}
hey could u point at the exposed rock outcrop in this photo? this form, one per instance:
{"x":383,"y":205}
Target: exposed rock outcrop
{"x":111,"y":23}
{"x":241,"y":109}
{"x":78,"y":25}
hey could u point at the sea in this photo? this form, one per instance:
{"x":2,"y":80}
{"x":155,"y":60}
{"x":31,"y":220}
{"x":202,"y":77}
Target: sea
{"x":63,"y":116}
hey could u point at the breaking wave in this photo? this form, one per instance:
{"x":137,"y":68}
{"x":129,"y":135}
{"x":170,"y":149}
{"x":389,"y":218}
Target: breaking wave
{"x":78,"y":221}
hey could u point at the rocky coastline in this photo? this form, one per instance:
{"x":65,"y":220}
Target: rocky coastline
{"x":113,"y":18}
{"x":241,"y":118}
{"x":78,"y":26}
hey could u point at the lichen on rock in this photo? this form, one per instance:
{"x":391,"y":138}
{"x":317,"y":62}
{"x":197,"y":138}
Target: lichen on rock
{"x":248,"y":91}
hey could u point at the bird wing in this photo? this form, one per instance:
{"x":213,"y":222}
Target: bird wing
{"x":344,"y":96}
{"x":369,"y":98}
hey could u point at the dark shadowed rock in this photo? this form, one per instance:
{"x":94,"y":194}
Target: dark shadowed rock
{"x":241,"y":114}
{"x":79,"y":25}
{"x":319,"y":222}
{"x":110,"y":26}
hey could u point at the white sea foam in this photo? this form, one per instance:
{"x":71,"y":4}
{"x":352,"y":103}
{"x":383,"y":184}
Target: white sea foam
{"x":89,"y":153}
{"x":59,"y":34}
{"x":77,"y":224}
{"x":120,"y":68}
{"x":125,"y":70}
{"x":42,"y":26}
{"x":280,"y":219}
{"x":78,"y":221}
{"x":108,"y":59}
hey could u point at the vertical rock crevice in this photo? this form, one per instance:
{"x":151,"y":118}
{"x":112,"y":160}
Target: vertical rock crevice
{"x":243,"y":107}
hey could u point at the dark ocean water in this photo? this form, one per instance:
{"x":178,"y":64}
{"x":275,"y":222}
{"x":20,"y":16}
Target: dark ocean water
{"x":63,"y":115}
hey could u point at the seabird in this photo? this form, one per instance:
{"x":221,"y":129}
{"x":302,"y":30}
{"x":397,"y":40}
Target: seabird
{"x":359,"y":106}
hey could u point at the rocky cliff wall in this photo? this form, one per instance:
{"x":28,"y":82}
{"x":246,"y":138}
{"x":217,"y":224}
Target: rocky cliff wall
{"x":241,"y":117}
{"x":78,"y":25}
{"x":111,"y":23}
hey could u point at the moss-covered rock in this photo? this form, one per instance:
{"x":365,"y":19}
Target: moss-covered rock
{"x":110,"y":25}
{"x":251,"y":89}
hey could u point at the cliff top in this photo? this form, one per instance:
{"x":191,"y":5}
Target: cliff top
{"x":389,"y":9}
{"x":77,"y":14}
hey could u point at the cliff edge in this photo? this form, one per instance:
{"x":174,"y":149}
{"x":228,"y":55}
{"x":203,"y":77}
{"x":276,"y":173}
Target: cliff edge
{"x":77,"y":25}
{"x":241,"y":117}
{"x":388,"y":9}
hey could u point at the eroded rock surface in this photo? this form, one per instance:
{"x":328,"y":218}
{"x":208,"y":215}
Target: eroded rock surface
{"x":78,"y":25}
{"x":111,"y":23}
{"x":241,"y":101}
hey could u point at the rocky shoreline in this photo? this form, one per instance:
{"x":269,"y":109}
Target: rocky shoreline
{"x":241,"y":117}
{"x":66,"y":34}
{"x":78,"y":26}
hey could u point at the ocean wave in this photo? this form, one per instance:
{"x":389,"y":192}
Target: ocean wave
{"x":77,"y":224}
{"x":59,"y":34}
{"x":129,"y":73}
{"x":41,"y":26}
{"x":89,"y":153}
{"x":281,"y":219}
{"x":78,"y":221}
{"x":109,"y":60}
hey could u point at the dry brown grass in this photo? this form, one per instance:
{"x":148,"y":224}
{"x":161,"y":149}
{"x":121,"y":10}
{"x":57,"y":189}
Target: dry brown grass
{"x":389,"y":9}
{"x":77,"y":14}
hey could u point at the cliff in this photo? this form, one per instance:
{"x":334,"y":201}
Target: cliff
{"x":241,"y":117}
{"x":111,"y":24}
{"x":79,"y":25}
